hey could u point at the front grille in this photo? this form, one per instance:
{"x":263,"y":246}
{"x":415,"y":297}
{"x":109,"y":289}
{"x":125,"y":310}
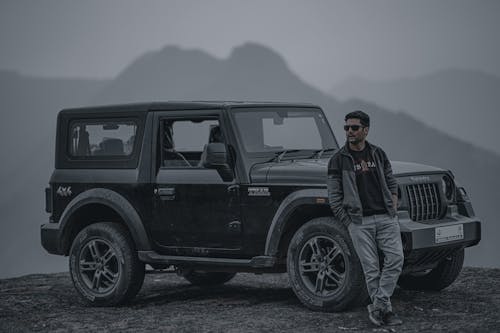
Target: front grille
{"x":423,"y":201}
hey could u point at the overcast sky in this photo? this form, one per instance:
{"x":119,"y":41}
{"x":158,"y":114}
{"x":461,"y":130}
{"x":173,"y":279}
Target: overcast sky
{"x":323,"y":41}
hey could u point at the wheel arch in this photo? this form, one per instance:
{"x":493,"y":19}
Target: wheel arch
{"x":100,"y":205}
{"x":295,"y":210}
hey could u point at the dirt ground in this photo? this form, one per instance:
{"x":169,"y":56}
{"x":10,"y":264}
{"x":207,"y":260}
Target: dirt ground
{"x":248,"y":303}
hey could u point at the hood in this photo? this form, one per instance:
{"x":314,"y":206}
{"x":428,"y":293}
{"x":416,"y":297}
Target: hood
{"x":313,"y":171}
{"x":401,"y":168}
{"x":291,"y":171}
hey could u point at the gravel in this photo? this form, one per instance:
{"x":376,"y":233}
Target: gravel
{"x":248,"y":303}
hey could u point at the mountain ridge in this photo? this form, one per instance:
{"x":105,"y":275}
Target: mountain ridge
{"x":463,"y":103}
{"x":29,"y":135}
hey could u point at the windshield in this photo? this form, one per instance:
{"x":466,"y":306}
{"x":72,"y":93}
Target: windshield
{"x":278,"y":129}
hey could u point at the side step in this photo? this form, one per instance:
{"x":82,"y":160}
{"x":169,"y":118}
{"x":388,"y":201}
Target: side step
{"x":152,"y":257}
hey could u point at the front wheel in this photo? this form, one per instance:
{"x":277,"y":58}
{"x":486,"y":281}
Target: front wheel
{"x":323,"y":268}
{"x":440,"y":277}
{"x":104,"y":266}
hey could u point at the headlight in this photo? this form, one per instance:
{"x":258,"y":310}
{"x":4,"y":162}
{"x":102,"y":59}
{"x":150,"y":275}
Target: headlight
{"x":448,"y":187}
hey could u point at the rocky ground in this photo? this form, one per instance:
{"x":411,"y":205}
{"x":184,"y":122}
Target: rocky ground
{"x":249,"y":303}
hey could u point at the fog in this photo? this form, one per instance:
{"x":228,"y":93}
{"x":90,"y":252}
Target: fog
{"x":58,"y":54}
{"x":323,"y":41}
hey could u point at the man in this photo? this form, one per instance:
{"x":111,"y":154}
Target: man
{"x":363,"y":196}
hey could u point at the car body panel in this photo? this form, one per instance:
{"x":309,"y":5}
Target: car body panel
{"x":197,"y":213}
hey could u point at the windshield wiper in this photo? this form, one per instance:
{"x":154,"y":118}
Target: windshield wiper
{"x":318,"y":153}
{"x":280,"y":154}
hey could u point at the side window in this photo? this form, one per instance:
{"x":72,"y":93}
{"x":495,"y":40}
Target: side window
{"x":102,"y":138}
{"x":183,"y":140}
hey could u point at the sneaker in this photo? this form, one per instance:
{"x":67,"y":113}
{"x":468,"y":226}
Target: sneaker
{"x":391,"y":319}
{"x":375,"y":315}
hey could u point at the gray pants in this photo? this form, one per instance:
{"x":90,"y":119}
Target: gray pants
{"x":379,"y":232}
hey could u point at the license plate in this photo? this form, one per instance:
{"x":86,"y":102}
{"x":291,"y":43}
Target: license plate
{"x":449,"y":233}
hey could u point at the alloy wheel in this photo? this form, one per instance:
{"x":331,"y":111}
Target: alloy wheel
{"x":98,"y":266}
{"x":322,"y":265}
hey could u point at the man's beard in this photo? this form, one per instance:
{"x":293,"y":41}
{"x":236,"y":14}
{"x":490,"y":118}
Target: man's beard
{"x":354,"y":140}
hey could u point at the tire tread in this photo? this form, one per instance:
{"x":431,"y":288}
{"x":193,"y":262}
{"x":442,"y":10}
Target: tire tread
{"x":133,"y":269}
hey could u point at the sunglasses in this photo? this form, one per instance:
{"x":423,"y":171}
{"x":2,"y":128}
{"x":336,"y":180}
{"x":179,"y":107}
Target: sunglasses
{"x":353,"y":127}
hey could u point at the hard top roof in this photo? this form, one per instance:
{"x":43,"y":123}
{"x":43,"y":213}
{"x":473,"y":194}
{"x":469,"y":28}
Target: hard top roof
{"x":180,"y":105}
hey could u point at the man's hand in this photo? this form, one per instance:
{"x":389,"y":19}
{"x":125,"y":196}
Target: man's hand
{"x":395,"y":202}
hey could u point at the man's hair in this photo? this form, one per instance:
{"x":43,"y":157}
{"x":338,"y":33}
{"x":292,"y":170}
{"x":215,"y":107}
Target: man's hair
{"x":364,"y":119}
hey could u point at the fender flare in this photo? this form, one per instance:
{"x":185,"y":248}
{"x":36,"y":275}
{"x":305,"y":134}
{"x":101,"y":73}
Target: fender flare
{"x":287,"y":207}
{"x":114,"y":201}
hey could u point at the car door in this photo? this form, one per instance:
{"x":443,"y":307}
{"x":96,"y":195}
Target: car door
{"x":196,"y":211}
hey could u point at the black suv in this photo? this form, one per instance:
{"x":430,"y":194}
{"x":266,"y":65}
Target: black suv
{"x":215,"y":188}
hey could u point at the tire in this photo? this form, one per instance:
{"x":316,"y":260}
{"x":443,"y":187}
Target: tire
{"x":202,"y":278}
{"x":440,"y":277}
{"x":104,"y":265}
{"x":323,"y":268}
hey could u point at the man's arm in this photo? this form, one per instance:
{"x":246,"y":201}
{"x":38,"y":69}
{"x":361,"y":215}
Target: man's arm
{"x":391,"y":180}
{"x":335,"y":190}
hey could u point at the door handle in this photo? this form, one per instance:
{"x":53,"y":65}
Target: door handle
{"x":233,"y":188}
{"x":167,"y":193}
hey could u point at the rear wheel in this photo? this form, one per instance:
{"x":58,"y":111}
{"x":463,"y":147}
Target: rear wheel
{"x":202,"y":278}
{"x":440,"y":277}
{"x":324,"y":270}
{"x":104,"y":266}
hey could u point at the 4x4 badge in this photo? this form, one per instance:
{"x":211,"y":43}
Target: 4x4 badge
{"x":64,"y":191}
{"x":258,"y":192}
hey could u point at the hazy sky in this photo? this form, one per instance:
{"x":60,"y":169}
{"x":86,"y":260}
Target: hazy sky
{"x":323,"y":41}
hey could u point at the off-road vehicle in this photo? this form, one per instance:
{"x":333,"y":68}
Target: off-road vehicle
{"x":216,"y":188}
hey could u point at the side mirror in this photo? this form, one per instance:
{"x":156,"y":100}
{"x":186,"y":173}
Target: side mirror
{"x":214,"y":156}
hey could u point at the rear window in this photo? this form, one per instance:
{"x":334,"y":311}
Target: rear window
{"x":102,"y":139}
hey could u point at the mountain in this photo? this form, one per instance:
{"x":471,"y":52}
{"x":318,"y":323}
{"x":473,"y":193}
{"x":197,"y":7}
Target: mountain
{"x":461,"y":103}
{"x":252,"y":72}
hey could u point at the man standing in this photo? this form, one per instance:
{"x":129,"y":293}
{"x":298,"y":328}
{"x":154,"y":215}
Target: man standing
{"x":363,"y":196}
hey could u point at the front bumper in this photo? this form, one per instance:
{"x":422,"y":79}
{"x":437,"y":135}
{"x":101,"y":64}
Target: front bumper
{"x":419,"y":239}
